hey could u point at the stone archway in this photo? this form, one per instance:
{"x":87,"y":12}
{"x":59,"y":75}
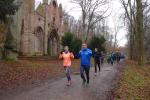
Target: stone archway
{"x":53,"y":43}
{"x":39,"y":41}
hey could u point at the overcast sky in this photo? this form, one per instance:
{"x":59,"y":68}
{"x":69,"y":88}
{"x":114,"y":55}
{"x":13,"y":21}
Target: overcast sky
{"x":116,"y":10}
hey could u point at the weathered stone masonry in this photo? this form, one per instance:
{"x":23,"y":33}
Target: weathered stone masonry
{"x":38,"y":32}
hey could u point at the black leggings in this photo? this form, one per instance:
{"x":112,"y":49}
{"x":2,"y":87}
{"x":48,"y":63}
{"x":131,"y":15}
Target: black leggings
{"x":97,"y":64}
{"x":86,"y":70}
{"x":118,"y":59}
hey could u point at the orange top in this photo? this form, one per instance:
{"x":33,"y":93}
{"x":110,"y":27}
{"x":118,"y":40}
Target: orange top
{"x":66,"y":58}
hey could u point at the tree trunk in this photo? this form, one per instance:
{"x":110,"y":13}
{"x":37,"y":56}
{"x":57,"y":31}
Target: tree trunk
{"x":140,"y":32}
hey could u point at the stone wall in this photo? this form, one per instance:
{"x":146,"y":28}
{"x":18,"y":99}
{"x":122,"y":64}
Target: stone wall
{"x":27,"y":22}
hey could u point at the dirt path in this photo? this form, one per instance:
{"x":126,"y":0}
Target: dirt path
{"x":57,"y":90}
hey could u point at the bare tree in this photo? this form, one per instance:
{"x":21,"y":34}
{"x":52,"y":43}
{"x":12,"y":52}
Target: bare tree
{"x":134,"y":16}
{"x":140,"y":32}
{"x":130,"y":19}
{"x":93,"y":11}
{"x":101,"y":28}
{"x":146,"y":5}
{"x":117,"y":27}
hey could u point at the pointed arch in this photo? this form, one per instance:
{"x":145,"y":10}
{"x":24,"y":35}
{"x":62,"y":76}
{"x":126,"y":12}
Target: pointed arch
{"x":39,"y":41}
{"x":53,"y":42}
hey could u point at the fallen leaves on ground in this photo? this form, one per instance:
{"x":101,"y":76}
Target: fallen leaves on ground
{"x":134,"y":83}
{"x":24,"y":72}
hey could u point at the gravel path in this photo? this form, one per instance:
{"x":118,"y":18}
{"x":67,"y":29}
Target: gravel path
{"x":57,"y":90}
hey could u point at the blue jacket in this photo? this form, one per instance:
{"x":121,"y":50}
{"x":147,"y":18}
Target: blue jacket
{"x":85,"y":56}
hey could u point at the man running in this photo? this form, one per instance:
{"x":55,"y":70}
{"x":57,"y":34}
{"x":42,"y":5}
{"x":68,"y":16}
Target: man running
{"x":67,"y":56}
{"x":85,"y":57}
{"x":97,"y":56}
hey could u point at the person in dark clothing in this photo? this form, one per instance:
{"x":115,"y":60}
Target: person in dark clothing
{"x":97,"y":56}
{"x":85,"y":56}
{"x":111,"y":58}
{"x":102,"y":58}
{"x":118,"y":56}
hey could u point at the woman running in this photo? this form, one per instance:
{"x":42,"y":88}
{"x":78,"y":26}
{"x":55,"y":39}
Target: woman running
{"x":67,"y":56}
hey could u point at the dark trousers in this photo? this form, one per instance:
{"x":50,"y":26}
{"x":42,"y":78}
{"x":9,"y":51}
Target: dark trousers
{"x":85,"y":70}
{"x":102,"y":61}
{"x":97,"y":64}
{"x":112,"y":61}
{"x":118,"y":59}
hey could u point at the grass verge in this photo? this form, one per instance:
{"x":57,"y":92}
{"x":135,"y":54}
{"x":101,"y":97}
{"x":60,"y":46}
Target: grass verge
{"x":134,"y":83}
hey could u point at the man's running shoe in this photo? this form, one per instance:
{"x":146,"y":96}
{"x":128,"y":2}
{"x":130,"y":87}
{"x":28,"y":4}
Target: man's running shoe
{"x":69,"y":83}
{"x":83,"y":83}
{"x":95,"y":74}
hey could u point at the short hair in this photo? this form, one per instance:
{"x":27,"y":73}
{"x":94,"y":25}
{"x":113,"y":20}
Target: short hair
{"x":84,"y":43}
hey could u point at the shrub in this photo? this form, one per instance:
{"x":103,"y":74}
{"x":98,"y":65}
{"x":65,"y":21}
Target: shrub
{"x":73,"y":42}
{"x":97,"y":42}
{"x":76,"y":45}
{"x":67,"y":39}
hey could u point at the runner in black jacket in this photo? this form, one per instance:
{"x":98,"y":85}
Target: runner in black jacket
{"x":97,"y":55}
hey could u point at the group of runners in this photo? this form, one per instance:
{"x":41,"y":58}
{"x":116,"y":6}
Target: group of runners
{"x":85,"y":55}
{"x":114,"y":56}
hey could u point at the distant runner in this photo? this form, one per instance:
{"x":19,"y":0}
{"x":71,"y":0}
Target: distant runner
{"x":67,"y":56}
{"x":102,"y":58}
{"x":97,"y":57}
{"x":111,"y":58}
{"x":118,"y":56}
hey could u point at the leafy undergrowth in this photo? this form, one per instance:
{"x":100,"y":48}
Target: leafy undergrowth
{"x":134,"y":83}
{"x":24,"y":72}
